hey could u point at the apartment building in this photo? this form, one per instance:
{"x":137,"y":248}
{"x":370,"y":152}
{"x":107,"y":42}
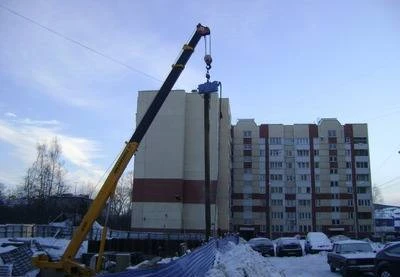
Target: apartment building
{"x":292,"y":179}
{"x":168,"y":190}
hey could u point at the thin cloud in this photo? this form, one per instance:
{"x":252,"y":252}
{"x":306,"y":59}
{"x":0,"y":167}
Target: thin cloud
{"x":9,"y":114}
{"x":72,"y":70}
{"x":24,"y":135}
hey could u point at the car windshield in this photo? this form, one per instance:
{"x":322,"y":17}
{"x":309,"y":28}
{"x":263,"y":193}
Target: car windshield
{"x":259,"y":241}
{"x":356,"y":247}
{"x":339,"y":238}
{"x":289,"y":241}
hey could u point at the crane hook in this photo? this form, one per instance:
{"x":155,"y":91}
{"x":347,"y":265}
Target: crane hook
{"x":208,"y":61}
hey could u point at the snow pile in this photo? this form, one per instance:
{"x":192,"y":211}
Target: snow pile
{"x":241,"y":260}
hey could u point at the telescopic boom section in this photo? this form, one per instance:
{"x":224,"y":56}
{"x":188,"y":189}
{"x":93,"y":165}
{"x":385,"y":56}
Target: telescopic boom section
{"x":67,"y":263}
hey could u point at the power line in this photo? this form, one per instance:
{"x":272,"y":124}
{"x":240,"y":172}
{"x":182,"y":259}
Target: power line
{"x":79,"y":43}
{"x":390,"y":185}
{"x":388,"y":182}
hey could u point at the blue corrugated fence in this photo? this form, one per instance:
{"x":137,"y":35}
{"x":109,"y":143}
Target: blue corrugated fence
{"x":194,"y":264}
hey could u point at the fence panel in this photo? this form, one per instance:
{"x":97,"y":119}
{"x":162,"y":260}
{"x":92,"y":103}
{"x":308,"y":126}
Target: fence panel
{"x":195,"y":264}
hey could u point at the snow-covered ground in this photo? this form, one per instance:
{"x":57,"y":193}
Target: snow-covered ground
{"x":242,"y":261}
{"x":54,"y":247}
{"x":238,"y":260}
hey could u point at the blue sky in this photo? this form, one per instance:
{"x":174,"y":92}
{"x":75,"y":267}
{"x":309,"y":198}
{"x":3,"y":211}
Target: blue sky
{"x":279,"y":62}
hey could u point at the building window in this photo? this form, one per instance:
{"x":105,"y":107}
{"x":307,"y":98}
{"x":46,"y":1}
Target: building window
{"x":362,"y":189}
{"x":349,"y":190}
{"x":348,"y":177}
{"x":334,"y":183}
{"x":332,"y":133}
{"x":350,"y":202}
{"x":247,"y":158}
{"x":316,"y":164}
{"x":277,"y":202}
{"x":333,"y":171}
{"x":276,"y":177}
{"x":332,"y":158}
{"x":275,"y":140}
{"x":275,"y":164}
{"x":276,"y":190}
{"x":362,"y":177}
{"x":247,"y":164}
{"x":274,"y":152}
{"x":290,"y":203}
{"x":304,"y":202}
{"x":361,"y":140}
{"x":362,"y":164}
{"x":288,"y":165}
{"x":288,"y":141}
{"x":304,"y":177}
{"x":247,"y":134}
{"x":262,"y":153}
{"x":303,"y":153}
{"x":290,"y":178}
{"x":332,"y":146}
{"x":335,"y":221}
{"x":289,"y":153}
{"x":347,"y":152}
{"x":364,"y":202}
{"x":303,"y":165}
{"x":302,"y":141}
{"x":316,"y":152}
{"x":361,"y":152}
{"x":348,"y":164}
{"x":335,"y":209}
{"x":247,"y":146}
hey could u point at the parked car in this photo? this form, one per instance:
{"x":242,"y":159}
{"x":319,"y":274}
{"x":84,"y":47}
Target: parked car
{"x":351,"y":256}
{"x":387,"y":261}
{"x":338,"y":238}
{"x":288,"y":247}
{"x":316,"y":242}
{"x":262,"y":245}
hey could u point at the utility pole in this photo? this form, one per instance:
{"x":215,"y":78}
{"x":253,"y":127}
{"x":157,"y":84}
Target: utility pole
{"x":207,"y":164}
{"x":206,"y":89}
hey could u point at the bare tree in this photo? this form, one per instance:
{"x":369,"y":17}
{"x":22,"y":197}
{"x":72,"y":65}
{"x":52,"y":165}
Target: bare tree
{"x":88,"y":189}
{"x":46,"y":175}
{"x":377,"y":196}
{"x":2,"y":193}
{"x":121,"y":201}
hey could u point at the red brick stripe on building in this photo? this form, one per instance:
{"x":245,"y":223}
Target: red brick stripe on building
{"x":171,"y":191}
{"x":264,"y":133}
{"x":348,"y":132}
{"x":313,"y":133}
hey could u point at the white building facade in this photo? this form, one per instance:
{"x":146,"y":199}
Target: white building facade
{"x":168,"y":190}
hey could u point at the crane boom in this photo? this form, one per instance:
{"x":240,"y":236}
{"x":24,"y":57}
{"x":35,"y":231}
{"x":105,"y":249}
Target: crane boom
{"x":67,"y":263}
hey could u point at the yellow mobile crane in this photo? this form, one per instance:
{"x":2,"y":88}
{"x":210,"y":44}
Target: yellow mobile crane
{"x":67,"y":264}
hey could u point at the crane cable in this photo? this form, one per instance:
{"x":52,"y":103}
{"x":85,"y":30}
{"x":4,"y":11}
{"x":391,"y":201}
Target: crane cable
{"x":207,"y":56}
